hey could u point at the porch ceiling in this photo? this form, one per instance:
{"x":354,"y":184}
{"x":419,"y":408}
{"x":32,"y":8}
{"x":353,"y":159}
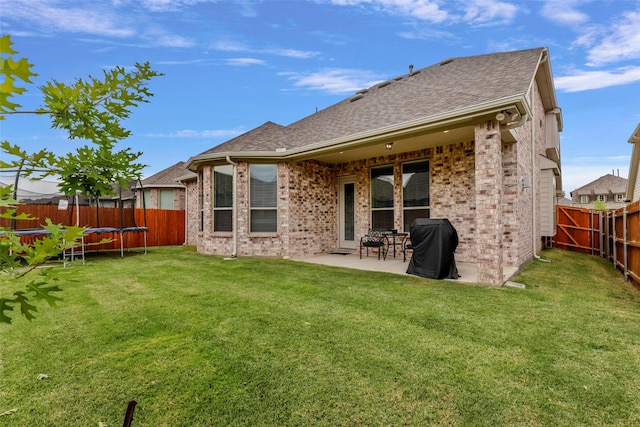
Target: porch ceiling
{"x":400,"y":145}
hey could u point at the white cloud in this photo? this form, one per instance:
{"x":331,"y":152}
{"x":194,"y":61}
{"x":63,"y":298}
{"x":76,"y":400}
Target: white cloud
{"x":334,"y":80}
{"x":623,"y":42}
{"x":564,"y":12}
{"x":482,"y":12}
{"x":588,"y":80}
{"x":168,"y":5}
{"x":90,"y":20}
{"x":578,"y":172}
{"x":423,"y":33}
{"x":475,"y":12}
{"x":158,"y":37}
{"x":234,"y":46}
{"x":426,"y":10}
{"x":229,"y":46}
{"x":198,"y":134}
{"x":292,"y":53}
{"x":242,"y":62}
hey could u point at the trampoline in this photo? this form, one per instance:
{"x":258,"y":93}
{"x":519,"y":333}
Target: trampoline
{"x":119,"y":224}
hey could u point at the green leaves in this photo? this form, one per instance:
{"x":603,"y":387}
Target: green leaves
{"x":34,"y":291}
{"x":92,"y":109}
{"x":10,"y":72}
{"x":88,"y":109}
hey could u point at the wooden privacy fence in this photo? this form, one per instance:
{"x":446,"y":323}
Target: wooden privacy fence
{"x":611,"y":234}
{"x":165,"y":227}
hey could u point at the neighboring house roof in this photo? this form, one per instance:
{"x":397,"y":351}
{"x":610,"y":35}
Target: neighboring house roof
{"x":168,"y":178}
{"x":121,"y":193}
{"x":635,"y":162}
{"x":563,"y":201}
{"x":607,"y":184}
{"x":454,"y":92}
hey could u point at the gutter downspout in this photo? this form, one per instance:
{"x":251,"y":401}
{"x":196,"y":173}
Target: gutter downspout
{"x":186,"y":212}
{"x":234,"y":195}
{"x":534,"y":189}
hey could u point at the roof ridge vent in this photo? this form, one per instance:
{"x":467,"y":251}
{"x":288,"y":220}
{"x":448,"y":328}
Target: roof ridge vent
{"x":362,"y":91}
{"x":384,"y":83}
{"x":356,"y":97}
{"x":446,"y":61}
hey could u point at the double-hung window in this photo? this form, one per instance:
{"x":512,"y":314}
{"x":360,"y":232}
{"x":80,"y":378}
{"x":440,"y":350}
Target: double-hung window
{"x":201,"y":200}
{"x":166,"y":199}
{"x":415,"y":192}
{"x":223,"y":198}
{"x":264,"y":198}
{"x":146,"y":196}
{"x":382,"y":197}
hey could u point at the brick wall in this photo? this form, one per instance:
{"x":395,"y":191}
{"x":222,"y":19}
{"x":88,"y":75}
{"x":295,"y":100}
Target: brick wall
{"x":475,"y":184}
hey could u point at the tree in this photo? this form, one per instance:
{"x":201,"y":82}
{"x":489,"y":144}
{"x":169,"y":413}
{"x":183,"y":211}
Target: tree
{"x":89,"y":109}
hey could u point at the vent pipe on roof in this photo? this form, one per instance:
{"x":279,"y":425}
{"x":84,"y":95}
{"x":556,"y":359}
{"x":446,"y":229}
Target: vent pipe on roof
{"x":411,"y":69}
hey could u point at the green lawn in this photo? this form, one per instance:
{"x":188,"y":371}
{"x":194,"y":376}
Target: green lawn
{"x":200,"y":341}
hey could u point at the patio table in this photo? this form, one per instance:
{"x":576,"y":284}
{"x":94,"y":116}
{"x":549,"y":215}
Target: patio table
{"x":395,"y":235}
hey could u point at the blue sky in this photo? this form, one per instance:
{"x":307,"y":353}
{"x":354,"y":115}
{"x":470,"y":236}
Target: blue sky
{"x":232,"y":65}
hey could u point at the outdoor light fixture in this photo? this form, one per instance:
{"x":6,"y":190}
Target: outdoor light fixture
{"x":388,"y":145}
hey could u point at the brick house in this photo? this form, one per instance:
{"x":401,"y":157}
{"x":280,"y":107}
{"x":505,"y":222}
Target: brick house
{"x":472,"y":139}
{"x":165,"y":189}
{"x":610,"y":189}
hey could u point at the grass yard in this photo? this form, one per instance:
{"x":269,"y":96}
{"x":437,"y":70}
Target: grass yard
{"x":200,"y":341}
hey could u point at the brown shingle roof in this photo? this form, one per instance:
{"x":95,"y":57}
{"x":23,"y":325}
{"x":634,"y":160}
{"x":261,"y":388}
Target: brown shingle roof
{"x":607,"y":184}
{"x":168,"y":177}
{"x":452,"y":85}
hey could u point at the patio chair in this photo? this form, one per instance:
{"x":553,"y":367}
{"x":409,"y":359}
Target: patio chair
{"x":375,"y":239}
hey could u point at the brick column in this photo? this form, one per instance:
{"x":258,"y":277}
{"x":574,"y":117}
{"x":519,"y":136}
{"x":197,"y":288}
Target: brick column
{"x":489,"y":228}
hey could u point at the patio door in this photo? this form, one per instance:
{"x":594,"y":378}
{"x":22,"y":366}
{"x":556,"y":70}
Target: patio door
{"x":347,"y":213}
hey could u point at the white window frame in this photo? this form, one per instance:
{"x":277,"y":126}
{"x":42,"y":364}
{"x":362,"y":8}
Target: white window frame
{"x":427,"y":207}
{"x":254,"y":208}
{"x":584,"y":199}
{"x":162,"y":195}
{"x":216,"y":208}
{"x":374,"y":209}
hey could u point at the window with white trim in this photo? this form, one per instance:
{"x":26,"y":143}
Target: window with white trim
{"x":166,"y":199}
{"x":201,"y":200}
{"x":415,"y":192}
{"x":382,"y":197}
{"x":263,"y":193}
{"x":602,"y":197}
{"x":619,"y":198}
{"x":584,"y":199}
{"x":223,"y":198}
{"x":146,"y":195}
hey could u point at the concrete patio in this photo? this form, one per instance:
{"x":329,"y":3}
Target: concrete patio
{"x":468,"y":272}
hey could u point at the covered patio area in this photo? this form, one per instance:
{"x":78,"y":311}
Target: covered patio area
{"x":468,"y":272}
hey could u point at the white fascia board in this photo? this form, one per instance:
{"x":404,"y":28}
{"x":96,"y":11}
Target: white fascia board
{"x":462,"y":116}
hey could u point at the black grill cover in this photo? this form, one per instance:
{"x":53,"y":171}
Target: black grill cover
{"x":434,"y":241}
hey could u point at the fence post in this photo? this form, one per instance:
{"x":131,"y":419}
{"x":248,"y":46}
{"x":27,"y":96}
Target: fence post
{"x":624,"y":237}
{"x":615,"y":237}
{"x":603,"y":233}
{"x":591,"y":230}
